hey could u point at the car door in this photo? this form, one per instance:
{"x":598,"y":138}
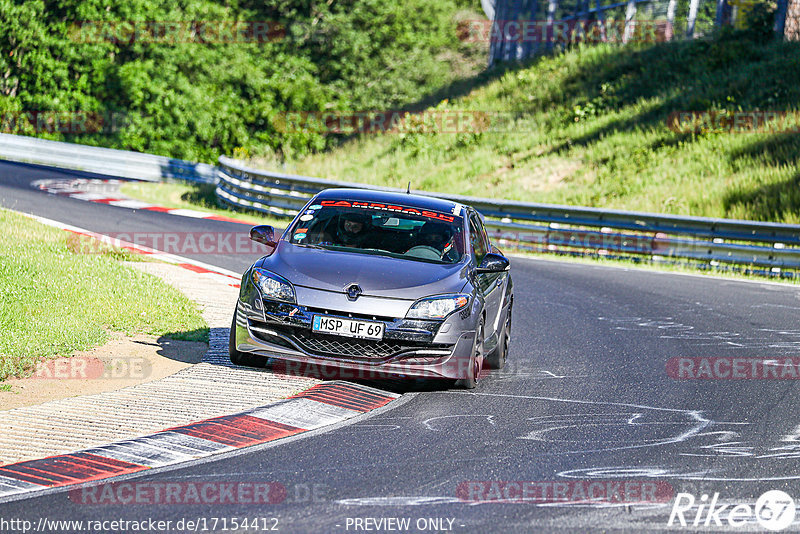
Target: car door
{"x":490,"y":285}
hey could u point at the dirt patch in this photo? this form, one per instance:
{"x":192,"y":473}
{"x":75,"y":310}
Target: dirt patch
{"x":122,"y":362}
{"x":548,"y":174}
{"x":530,"y":173}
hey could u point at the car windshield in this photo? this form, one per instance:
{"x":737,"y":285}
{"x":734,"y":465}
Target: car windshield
{"x":370,"y":228}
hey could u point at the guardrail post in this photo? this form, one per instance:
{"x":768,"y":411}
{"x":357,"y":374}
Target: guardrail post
{"x":506,"y":14}
{"x":690,"y":22}
{"x":780,"y":17}
{"x":719,"y":18}
{"x":668,"y":31}
{"x":552,"y":6}
{"x":630,"y":15}
{"x":600,"y":18}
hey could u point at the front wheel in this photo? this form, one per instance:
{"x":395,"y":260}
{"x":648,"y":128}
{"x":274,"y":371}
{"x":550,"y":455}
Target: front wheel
{"x":238,"y":357}
{"x":476,"y":361}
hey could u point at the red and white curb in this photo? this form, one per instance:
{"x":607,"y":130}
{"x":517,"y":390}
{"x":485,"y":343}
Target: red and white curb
{"x":229,"y":277}
{"x":322,"y":405}
{"x":107,"y":192}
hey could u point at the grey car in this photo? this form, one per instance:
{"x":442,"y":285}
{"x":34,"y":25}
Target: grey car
{"x":374,"y":284}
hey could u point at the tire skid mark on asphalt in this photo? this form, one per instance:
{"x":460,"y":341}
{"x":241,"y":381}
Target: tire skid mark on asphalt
{"x":695,"y":421}
{"x":715,"y":441}
{"x":669,"y":328}
{"x":427,"y":423}
{"x":324,"y":404}
{"x":412,"y":500}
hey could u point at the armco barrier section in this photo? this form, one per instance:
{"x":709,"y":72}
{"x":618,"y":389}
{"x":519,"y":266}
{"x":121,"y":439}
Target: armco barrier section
{"x":553,"y":228}
{"x":105,"y":161}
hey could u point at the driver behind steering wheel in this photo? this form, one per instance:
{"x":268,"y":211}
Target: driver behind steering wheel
{"x":353,"y":229}
{"x":436,"y":235}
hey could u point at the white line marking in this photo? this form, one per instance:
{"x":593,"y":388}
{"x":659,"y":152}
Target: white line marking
{"x":190,"y":213}
{"x":10,"y":486}
{"x":304,"y":413}
{"x":127,"y":203}
{"x":88,"y":196}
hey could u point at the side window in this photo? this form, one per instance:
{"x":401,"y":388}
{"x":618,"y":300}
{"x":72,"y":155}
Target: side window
{"x":477,"y":238}
{"x":487,"y":242}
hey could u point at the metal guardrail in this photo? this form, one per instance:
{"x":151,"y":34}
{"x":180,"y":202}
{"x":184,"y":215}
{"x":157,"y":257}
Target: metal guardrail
{"x":553,"y":228}
{"x":105,"y":161}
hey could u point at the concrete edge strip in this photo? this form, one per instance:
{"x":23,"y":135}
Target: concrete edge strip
{"x":324,"y":404}
{"x":72,"y":188}
{"x":229,"y":277}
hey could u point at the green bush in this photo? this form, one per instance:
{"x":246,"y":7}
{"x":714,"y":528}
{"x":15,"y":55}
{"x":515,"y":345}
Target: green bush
{"x":761,"y":21}
{"x":197,"y":101}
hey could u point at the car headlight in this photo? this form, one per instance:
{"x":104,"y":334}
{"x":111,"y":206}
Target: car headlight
{"x":273,"y":286}
{"x":437,"y":307}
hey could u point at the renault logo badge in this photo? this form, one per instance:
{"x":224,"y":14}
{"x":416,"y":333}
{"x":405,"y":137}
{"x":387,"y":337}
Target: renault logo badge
{"x":353,"y":291}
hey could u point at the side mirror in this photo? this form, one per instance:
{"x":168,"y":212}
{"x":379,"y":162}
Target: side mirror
{"x":263,"y":234}
{"x":493,"y":263}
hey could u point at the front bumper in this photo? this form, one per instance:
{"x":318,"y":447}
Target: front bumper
{"x":410,"y":348}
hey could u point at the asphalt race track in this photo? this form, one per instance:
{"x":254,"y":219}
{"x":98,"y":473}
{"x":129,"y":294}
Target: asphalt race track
{"x":586,"y":397}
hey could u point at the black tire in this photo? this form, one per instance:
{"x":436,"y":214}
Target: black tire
{"x":241,"y":358}
{"x":476,"y":360}
{"x":498,"y":357}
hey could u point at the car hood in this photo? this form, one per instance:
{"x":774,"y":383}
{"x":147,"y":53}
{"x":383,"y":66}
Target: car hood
{"x":378,"y":276}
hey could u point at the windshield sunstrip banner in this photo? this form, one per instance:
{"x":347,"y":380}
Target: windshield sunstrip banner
{"x":390,"y":208}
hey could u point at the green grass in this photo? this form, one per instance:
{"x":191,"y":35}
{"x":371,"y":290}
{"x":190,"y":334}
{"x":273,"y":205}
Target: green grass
{"x":199,"y":197}
{"x":55,"y":301}
{"x":591,"y":129}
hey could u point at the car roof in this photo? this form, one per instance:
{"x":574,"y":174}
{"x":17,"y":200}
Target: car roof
{"x":389,"y":197}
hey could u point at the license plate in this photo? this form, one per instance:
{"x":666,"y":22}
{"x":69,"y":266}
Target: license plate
{"x":347,"y":327}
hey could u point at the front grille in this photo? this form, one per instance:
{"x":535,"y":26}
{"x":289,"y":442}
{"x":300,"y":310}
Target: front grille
{"x":349,"y":347}
{"x":338,"y":346}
